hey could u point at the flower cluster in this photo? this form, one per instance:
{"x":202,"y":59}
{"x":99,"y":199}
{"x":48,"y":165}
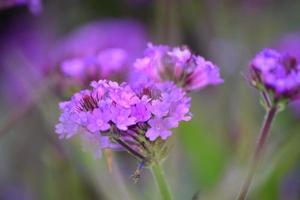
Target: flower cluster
{"x":96,"y":51}
{"x":277,"y":74}
{"x":91,"y":67}
{"x":120,"y":115}
{"x":178,"y":64}
{"x":137,"y":117}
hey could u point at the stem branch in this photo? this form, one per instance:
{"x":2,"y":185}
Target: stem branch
{"x":129,"y":149}
{"x":270,"y":115}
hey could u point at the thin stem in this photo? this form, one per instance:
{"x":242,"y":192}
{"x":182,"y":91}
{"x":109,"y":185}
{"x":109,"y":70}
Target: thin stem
{"x":267,"y":99}
{"x":270,"y":115}
{"x":129,"y":149}
{"x":161,"y":182}
{"x":142,"y":143}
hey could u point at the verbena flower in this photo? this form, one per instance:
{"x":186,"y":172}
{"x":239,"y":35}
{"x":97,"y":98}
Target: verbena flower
{"x":289,"y":44}
{"x":178,"y":64}
{"x":96,"y":51}
{"x":138,"y":117}
{"x":118,"y":115}
{"x":24,"y":61}
{"x":276,"y":74}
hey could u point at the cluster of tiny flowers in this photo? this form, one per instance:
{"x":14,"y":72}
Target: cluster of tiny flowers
{"x":278,"y":74}
{"x":178,"y":64}
{"x":95,"y":51}
{"x":95,"y":65}
{"x":137,"y":117}
{"x":112,"y":113}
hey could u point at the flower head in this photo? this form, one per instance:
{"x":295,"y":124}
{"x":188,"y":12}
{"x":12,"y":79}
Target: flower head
{"x":137,"y":117}
{"x":96,"y":51}
{"x":124,"y":115}
{"x":277,"y":74}
{"x":178,"y":64}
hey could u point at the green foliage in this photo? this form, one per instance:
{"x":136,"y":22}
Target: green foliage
{"x":205,"y":152}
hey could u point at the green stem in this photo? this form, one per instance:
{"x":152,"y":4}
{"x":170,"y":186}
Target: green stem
{"x":270,"y":115}
{"x":162,"y":184}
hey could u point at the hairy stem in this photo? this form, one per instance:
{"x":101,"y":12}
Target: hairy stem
{"x":270,"y":115}
{"x":161,"y":182}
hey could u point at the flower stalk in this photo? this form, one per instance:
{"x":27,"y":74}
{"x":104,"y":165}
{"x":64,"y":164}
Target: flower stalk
{"x":269,"y":118}
{"x":129,"y":149}
{"x":161,"y":182}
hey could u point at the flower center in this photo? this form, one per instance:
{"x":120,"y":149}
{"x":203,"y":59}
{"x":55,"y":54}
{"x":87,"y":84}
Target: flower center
{"x":88,"y":103}
{"x":100,"y":122}
{"x":290,"y":64}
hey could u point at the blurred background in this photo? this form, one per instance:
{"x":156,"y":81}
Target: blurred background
{"x":210,"y":153}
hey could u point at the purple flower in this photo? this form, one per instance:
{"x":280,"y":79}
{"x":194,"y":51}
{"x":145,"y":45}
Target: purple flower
{"x":124,"y":96}
{"x":160,"y":108}
{"x":112,"y":60}
{"x":96,"y":50}
{"x":276,"y":73}
{"x":189,"y":71}
{"x":202,"y":73}
{"x":98,"y":120}
{"x":66,"y":129}
{"x":76,"y":67}
{"x":171,"y":107}
{"x":180,"y":112}
{"x":179,"y":103}
{"x":141,"y":111}
{"x":160,"y":127}
{"x":121,"y":117}
{"x":119,"y":112}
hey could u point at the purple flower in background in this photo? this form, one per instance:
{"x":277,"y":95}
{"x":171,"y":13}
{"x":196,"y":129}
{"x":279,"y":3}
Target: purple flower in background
{"x":97,"y":50}
{"x":35,"y":6}
{"x":24,"y":60}
{"x":112,"y":59}
{"x":276,"y":73}
{"x":189,"y":71}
